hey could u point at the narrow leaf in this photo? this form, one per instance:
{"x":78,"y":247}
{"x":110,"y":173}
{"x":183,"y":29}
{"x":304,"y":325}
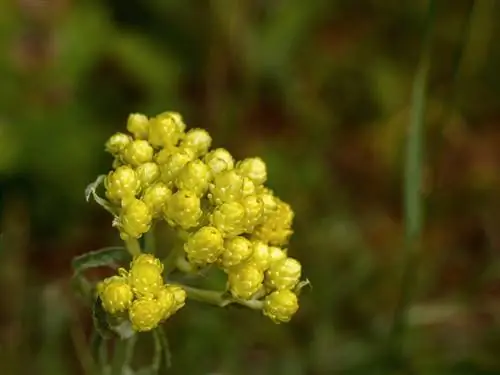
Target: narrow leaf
{"x":91,"y":191}
{"x":108,"y":256}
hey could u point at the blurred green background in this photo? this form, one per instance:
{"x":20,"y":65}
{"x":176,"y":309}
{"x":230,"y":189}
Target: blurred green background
{"x":320,"y":89}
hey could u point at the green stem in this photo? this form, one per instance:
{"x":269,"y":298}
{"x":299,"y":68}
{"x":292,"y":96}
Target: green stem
{"x":133,"y":247}
{"x":122,"y":355}
{"x":413,"y":201}
{"x":217,"y":298}
{"x":155,"y":367}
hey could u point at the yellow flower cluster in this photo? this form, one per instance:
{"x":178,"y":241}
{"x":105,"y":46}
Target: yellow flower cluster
{"x":163,"y":172}
{"x":141,"y":293}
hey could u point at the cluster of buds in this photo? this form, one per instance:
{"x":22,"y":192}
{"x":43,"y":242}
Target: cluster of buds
{"x":141,"y":294}
{"x":227,"y":216}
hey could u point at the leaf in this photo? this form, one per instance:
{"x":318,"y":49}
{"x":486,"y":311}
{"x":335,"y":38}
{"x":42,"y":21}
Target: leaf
{"x":108,"y":256}
{"x":90,"y":191}
{"x":99,"y":317}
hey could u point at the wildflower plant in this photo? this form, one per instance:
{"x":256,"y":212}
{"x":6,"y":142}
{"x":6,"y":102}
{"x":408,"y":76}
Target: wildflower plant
{"x":166,"y":176}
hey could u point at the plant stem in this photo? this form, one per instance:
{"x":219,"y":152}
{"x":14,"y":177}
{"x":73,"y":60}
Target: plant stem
{"x":133,"y":246}
{"x":155,"y":367}
{"x":413,"y":202}
{"x":122,"y":355}
{"x":217,"y":298}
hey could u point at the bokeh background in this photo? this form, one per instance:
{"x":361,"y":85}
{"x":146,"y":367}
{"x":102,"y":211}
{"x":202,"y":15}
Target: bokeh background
{"x":320,"y":89}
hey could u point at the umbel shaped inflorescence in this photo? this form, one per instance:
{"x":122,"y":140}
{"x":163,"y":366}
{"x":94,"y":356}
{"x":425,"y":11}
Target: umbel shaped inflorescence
{"x":225,"y":213}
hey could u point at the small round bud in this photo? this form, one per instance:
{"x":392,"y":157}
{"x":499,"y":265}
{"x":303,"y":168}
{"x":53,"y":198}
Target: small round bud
{"x":228,"y":218}
{"x":219,"y":160}
{"x":269,"y":202}
{"x":245,"y":281}
{"x":253,"y":168}
{"x":147,"y":259}
{"x":283,"y":274}
{"x":147,"y":173}
{"x":280,"y":305}
{"x":138,"y":152}
{"x":145,"y":314}
{"x":145,"y":279}
{"x":226,"y":187}
{"x":121,"y":184}
{"x":260,"y":257}
{"x":204,"y":246}
{"x":236,"y":250}
{"x":183,"y":209}
{"x":276,"y":228}
{"x":173,"y":165}
{"x":162,"y":156}
{"x":194,"y":177}
{"x":117,"y":143}
{"x":248,"y":187}
{"x":116,"y":294}
{"x":198,"y":141}
{"x":165,"y":130}
{"x":135,"y":219}
{"x":166,"y":300}
{"x":179,"y":296}
{"x":276,"y":254}
{"x":156,"y":197}
{"x":254,"y":210}
{"x":138,"y":125}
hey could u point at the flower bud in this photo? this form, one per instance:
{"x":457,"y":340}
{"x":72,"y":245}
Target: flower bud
{"x":194,"y":177}
{"x":145,"y":279}
{"x":253,"y":168}
{"x":156,"y":197}
{"x":166,"y":300}
{"x":280,"y":305}
{"x":276,"y":254}
{"x":145,"y":314}
{"x":198,"y":141}
{"x":116,"y":294}
{"x":283,"y":274}
{"x":173,"y":165}
{"x":260,"y":257}
{"x":165,"y":130}
{"x":179,"y":296}
{"x":226,"y":187}
{"x":228,"y":218}
{"x":117,"y":143}
{"x":183,"y":209}
{"x":236,"y":250}
{"x":135,"y":219}
{"x":121,"y":184}
{"x":254,"y":210}
{"x":219,"y":160}
{"x":138,"y":125}
{"x":147,"y":259}
{"x":204,"y":246}
{"x":245,"y":281}
{"x":138,"y":152}
{"x":147,"y":173}
{"x":276,"y":228}
{"x":269,"y":202}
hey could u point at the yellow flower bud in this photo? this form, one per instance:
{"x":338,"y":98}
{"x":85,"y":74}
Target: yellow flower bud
{"x":179,"y":296}
{"x":145,"y":279}
{"x":173,"y":165}
{"x":116,"y":294}
{"x":276,"y":227}
{"x":270,"y":204}
{"x":253,"y":168}
{"x":276,"y":254}
{"x":236,"y":250}
{"x":228,"y":218}
{"x":147,"y":173}
{"x":226,"y":187}
{"x":183,"y":209}
{"x":204,"y":246}
{"x":135,"y":219}
{"x":176,"y":118}
{"x":219,"y":160}
{"x":198,"y":141}
{"x":245,"y":281}
{"x":138,"y":125}
{"x":254,"y":210}
{"x":167,"y":302}
{"x":283,"y":274}
{"x":260,"y":257}
{"x":156,"y":197}
{"x":138,"y":152}
{"x":194,"y":177}
{"x":147,"y":259}
{"x":165,"y":130}
{"x":145,"y":314}
{"x":162,"y":156}
{"x":280,"y":305}
{"x":121,"y":184}
{"x":117,"y":143}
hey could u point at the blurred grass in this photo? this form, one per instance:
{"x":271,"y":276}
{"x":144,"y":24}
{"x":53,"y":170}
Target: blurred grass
{"x":322,"y":91}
